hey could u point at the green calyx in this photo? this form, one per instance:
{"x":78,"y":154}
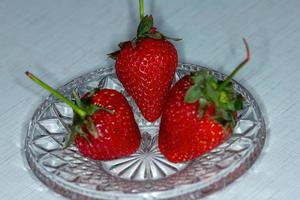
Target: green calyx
{"x":83,"y":110}
{"x":206,"y":89}
{"x":145,"y":29}
{"x":79,"y":122}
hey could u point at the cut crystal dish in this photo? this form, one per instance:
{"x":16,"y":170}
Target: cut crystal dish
{"x":145,"y":174}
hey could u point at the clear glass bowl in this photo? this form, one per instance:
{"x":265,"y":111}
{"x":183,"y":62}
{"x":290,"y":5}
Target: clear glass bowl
{"x":145,"y":174}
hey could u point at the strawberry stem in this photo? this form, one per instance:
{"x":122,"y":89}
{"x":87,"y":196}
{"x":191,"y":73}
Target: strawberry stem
{"x":229,"y":78}
{"x":76,"y":109}
{"x":141,"y":6}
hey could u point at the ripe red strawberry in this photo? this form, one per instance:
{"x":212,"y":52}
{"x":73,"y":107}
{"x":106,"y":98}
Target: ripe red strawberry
{"x":199,"y":115}
{"x":103,"y":126}
{"x":117,"y":133}
{"x":146,"y":73}
{"x":146,"y":67}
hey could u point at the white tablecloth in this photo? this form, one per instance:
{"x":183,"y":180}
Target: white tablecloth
{"x":61,"y":39}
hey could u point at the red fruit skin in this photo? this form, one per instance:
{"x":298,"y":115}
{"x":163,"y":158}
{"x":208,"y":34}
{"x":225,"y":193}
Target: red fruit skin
{"x":182,"y":135}
{"x":146,"y":73}
{"x":119,"y":134}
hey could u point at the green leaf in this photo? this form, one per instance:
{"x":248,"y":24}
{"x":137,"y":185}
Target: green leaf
{"x":76,"y":119}
{"x":156,"y":35}
{"x":202,"y":106}
{"x":114,"y":55}
{"x":91,"y":126}
{"x":238,"y":104}
{"x":228,"y":86}
{"x":90,"y":94}
{"x":76,"y":96}
{"x":213,"y":83}
{"x":91,"y":109}
{"x":199,"y":77}
{"x":70,"y":139}
{"x":145,"y":26}
{"x":193,"y":94}
{"x":229,"y":90}
{"x":203,"y":103}
{"x":170,"y":38}
{"x":78,"y":130}
{"x":81,"y":132}
{"x":226,"y":115}
{"x":121,"y":44}
{"x":229,"y":106}
{"x":200,"y":112}
{"x":221,"y":120}
{"x":133,"y":42}
{"x":211,"y":93}
{"x":232,"y":121}
{"x":223,"y":97}
{"x":75,"y":130}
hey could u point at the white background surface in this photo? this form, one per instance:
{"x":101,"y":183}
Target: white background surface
{"x":61,"y":39}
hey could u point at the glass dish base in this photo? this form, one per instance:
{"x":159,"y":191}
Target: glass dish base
{"x":145,"y":174}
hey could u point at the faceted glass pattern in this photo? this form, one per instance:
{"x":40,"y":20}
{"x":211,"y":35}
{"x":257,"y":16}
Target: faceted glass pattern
{"x":145,"y":174}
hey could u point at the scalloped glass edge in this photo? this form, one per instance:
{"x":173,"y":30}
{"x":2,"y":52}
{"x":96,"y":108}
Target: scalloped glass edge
{"x":189,"y":191}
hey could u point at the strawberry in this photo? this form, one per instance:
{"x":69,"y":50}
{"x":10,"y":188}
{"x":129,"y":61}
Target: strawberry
{"x":146,"y":66}
{"x":103,"y":125}
{"x":199,"y":115}
{"x":146,"y":73}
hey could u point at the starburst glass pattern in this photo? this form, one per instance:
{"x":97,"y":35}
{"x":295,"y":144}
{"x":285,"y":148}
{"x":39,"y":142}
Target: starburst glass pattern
{"x":147,"y":163}
{"x":145,"y":174}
